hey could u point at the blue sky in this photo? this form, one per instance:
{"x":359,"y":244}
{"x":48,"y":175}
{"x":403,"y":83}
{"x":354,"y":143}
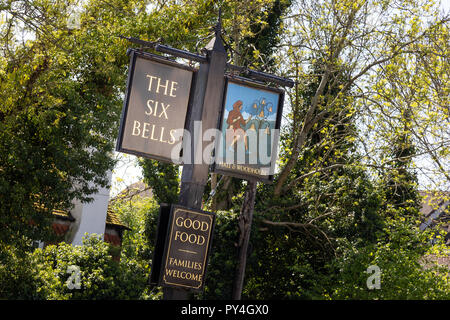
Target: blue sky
{"x":248,"y":95}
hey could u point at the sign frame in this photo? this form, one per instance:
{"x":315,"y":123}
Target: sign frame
{"x":160,"y":240}
{"x":258,"y":86}
{"x":163,"y":240}
{"x":134,"y":55}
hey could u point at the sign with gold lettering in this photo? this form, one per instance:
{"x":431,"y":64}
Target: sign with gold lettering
{"x":186,"y":249}
{"x":155,"y":107}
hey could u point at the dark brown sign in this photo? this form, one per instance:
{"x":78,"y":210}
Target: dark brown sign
{"x":186,"y":250}
{"x":155,"y":107}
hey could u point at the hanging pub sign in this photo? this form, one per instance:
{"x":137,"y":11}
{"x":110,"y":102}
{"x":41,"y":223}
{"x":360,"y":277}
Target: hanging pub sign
{"x":182,"y":246}
{"x":249,"y":130}
{"x":155,"y":107}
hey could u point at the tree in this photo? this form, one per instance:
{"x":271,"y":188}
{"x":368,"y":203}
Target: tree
{"x":58,"y":114}
{"x":352,"y":36}
{"x":327,"y":204}
{"x":163,"y":178}
{"x":403,"y":256}
{"x":324,"y":190}
{"x":409,"y":97}
{"x":61,"y":93}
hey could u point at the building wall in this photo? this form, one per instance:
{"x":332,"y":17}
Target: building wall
{"x":90,"y":217}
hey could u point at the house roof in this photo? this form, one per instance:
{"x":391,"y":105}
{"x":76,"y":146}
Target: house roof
{"x":436,"y":208}
{"x":432,"y":200}
{"x":136,"y":189}
{"x":62,"y":214}
{"x":111,"y":218}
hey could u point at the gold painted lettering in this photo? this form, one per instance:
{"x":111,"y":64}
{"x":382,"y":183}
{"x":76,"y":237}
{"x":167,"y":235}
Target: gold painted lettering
{"x":161,"y":136}
{"x":153,"y":131}
{"x":156,"y":108}
{"x":164,"y":109}
{"x":144,"y":130}
{"x":185,"y":263}
{"x":172,"y":88}
{"x":136,"y":125}
{"x":150,"y":109}
{"x":150,"y":82}
{"x":172,"y":137}
{"x":184,"y":275}
{"x":163,"y":86}
{"x":192,"y":238}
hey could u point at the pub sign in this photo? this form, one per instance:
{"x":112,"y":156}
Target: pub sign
{"x":249,"y":130}
{"x":155,"y":107}
{"x":182,"y":247}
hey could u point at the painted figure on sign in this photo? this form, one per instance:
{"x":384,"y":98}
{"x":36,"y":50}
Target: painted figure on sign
{"x":236,"y":126}
{"x":259,"y":123}
{"x":261,"y":110}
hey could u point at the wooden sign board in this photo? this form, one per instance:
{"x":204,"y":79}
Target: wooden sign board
{"x":249,"y":126}
{"x":155,"y":106}
{"x":182,"y":262}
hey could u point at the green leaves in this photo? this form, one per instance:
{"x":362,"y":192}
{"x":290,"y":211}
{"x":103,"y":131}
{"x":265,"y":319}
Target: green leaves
{"x":407,"y":268}
{"x":48,"y":273}
{"x":54,"y":140}
{"x":163,"y":178}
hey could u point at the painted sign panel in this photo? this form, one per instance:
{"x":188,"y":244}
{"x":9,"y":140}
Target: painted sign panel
{"x":186,"y":249}
{"x":155,"y":106}
{"x":249,"y":126}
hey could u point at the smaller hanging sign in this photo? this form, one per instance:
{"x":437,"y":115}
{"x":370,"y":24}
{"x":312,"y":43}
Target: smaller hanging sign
{"x":182,"y":262}
{"x":249,"y":130}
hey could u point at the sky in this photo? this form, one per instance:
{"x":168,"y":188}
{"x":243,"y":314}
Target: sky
{"x":249,"y":96}
{"x":126,"y":172}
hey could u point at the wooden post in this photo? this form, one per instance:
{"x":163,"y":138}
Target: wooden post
{"x":245,"y":226}
{"x":206,"y":106}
